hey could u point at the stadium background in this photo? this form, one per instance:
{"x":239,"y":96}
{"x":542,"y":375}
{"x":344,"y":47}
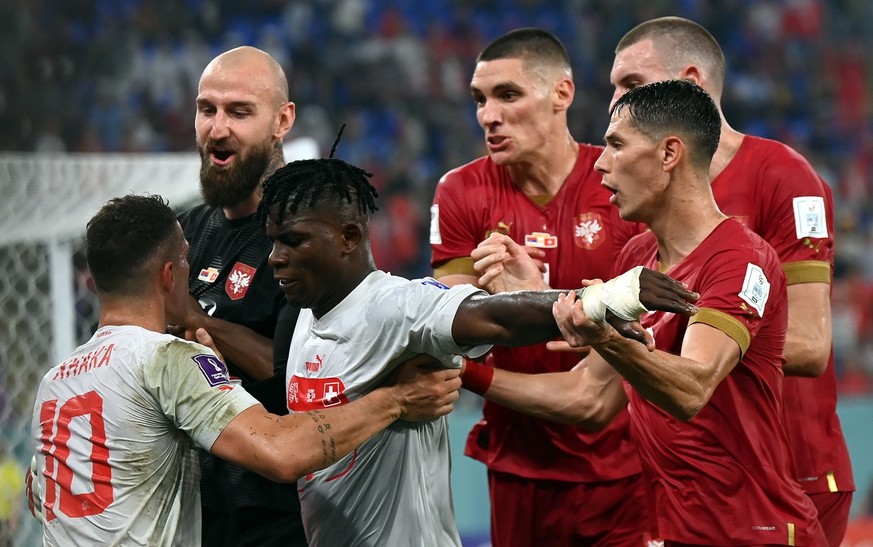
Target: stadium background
{"x":91,"y":79}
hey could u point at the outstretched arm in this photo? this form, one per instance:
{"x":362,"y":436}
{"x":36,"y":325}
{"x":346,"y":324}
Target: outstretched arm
{"x":679,"y":384}
{"x":590,"y":395}
{"x":525,"y":317}
{"x":284,"y":448}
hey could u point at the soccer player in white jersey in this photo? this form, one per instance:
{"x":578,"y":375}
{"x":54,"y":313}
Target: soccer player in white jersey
{"x":114,"y":424}
{"x":356,"y":324}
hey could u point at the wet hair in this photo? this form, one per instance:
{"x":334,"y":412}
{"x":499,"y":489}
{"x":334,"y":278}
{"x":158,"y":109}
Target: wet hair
{"x":674,"y":107}
{"x":124,"y":236}
{"x":315,"y":182}
{"x":680,"y":40}
{"x":534,"y":46}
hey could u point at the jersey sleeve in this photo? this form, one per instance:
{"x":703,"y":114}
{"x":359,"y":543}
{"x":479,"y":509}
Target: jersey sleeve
{"x":798,"y":219}
{"x":192,"y":388}
{"x":452,"y":235}
{"x":735,"y":293}
{"x":426,"y":315}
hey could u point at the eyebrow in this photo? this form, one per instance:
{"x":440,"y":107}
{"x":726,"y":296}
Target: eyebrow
{"x":233,"y":104}
{"x":497,"y":88}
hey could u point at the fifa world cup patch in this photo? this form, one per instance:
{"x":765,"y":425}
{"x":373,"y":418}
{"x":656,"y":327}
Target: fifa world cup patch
{"x":429,"y":281}
{"x":809,"y":217}
{"x":239,"y":280}
{"x":212,"y":368}
{"x":435,"y":237}
{"x":756,"y":288}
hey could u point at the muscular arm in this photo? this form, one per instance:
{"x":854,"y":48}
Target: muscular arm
{"x":589,"y":395}
{"x":508,"y":319}
{"x":808,"y":340}
{"x":679,"y":384}
{"x":284,"y":448}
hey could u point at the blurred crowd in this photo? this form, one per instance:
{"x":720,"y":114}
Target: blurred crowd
{"x":121,"y":76}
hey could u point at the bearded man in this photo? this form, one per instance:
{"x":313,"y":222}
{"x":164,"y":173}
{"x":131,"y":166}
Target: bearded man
{"x":243,"y":113}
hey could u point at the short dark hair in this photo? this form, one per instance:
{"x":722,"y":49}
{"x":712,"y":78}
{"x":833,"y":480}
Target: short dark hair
{"x":533,"y":45}
{"x":124,"y":236}
{"x":678,"y":107}
{"x":680,"y":40}
{"x":314,"y":182}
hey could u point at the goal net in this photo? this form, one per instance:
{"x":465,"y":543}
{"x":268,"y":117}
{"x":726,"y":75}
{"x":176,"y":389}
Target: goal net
{"x":47,"y":309}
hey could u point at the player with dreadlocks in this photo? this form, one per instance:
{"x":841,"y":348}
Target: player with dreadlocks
{"x":357,"y":323}
{"x":311,"y":179}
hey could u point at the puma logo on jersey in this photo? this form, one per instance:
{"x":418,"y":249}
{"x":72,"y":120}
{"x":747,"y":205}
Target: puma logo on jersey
{"x":315,"y":366}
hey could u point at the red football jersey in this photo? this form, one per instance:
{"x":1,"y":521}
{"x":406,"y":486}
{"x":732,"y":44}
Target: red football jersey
{"x":725,"y":475}
{"x":581,"y":234}
{"x":776,"y":193}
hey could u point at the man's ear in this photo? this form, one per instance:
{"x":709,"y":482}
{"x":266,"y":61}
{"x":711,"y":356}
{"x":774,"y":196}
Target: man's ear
{"x":672,"y":151}
{"x":168,"y":277}
{"x":352,"y":234}
{"x":285,"y":120}
{"x":691,"y":73}
{"x":565,"y":90}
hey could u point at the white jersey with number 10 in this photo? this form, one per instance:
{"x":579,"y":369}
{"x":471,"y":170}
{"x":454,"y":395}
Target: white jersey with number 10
{"x":113,"y":427}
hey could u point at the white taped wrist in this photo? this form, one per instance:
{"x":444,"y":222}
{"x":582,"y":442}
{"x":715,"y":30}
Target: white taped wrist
{"x":621,"y":295}
{"x":592,"y":302}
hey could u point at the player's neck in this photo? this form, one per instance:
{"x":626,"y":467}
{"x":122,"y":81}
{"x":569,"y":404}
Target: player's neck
{"x":679,"y":234}
{"x":245,"y":208}
{"x":136,"y":313}
{"x":729,"y":144}
{"x":545,"y":173}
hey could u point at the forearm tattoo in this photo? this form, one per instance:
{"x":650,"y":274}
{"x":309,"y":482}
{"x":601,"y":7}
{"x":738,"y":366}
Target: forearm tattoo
{"x":328,"y":443}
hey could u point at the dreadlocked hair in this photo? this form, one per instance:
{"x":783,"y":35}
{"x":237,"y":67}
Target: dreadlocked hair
{"x":314,"y":181}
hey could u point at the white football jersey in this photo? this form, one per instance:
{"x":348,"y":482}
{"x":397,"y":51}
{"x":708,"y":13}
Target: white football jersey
{"x":395,"y":488}
{"x":113,"y":427}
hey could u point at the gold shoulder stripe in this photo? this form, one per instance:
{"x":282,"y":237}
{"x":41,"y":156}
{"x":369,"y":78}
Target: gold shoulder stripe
{"x":725,"y":323}
{"x":807,"y":271}
{"x":456,"y":266}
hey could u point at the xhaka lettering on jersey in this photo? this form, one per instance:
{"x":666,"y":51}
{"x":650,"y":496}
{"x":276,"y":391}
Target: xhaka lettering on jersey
{"x":83,"y":363}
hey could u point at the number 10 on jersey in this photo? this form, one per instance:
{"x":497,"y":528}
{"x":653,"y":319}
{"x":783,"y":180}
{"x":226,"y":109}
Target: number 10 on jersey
{"x":58,"y":492}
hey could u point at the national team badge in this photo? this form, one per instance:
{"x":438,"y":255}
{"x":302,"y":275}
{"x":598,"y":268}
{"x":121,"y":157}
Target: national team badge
{"x":239,"y":280}
{"x":305,"y":394}
{"x":208,"y":275}
{"x":541,"y":240}
{"x":587,"y":231}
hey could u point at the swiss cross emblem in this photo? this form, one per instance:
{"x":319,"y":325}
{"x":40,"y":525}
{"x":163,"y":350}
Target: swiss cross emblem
{"x":306,"y":394}
{"x":239,"y":280}
{"x":587,"y":231}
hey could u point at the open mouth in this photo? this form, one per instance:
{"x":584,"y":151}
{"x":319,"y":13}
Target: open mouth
{"x":221,"y":156}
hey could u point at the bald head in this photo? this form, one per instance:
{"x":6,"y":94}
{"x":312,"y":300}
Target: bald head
{"x":678,"y":43}
{"x":253,"y":65}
